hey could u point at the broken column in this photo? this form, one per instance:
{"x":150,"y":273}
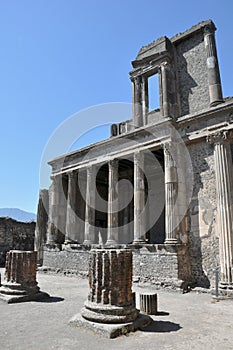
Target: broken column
{"x":20,"y":278}
{"x":110,"y":308}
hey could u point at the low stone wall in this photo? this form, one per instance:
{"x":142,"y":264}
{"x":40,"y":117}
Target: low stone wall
{"x":15,"y":235}
{"x":164,"y":266}
{"x":70,"y":261}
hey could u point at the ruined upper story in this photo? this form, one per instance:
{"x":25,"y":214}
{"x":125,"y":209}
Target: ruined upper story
{"x":188,"y":77}
{"x":189,"y":97}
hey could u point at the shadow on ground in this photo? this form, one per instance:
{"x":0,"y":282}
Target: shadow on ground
{"x":162,"y":327}
{"x":162,"y":313}
{"x":51,"y":300}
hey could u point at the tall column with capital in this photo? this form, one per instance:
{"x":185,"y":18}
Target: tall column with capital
{"x":137,"y":101}
{"x":224,"y":187}
{"x":139,"y":199}
{"x":215,"y":88}
{"x":171,"y":188}
{"x":90,"y":206}
{"x":112,"y":237}
{"x":145,"y":100}
{"x":164,"y":79}
{"x":71,"y":216}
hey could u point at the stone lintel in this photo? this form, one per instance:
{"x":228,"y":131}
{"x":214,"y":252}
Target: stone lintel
{"x":111,"y":330}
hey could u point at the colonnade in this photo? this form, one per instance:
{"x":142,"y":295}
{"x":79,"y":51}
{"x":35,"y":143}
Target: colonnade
{"x":71,"y":225}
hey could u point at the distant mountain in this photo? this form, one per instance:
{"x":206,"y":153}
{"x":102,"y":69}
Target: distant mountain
{"x":17,"y":214}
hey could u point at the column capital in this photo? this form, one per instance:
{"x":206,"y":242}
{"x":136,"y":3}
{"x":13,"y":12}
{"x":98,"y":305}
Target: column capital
{"x":209,"y":29}
{"x":72,"y":174}
{"x":113,"y":163}
{"x":138,"y":157}
{"x":221,"y":136}
{"x":165,"y":65}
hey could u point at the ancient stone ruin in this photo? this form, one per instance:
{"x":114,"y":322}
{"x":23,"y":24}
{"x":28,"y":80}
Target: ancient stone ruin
{"x":19,"y":282}
{"x":110,"y":308}
{"x":174,"y":162}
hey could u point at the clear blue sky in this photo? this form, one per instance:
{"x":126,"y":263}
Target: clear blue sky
{"x":61,"y":56}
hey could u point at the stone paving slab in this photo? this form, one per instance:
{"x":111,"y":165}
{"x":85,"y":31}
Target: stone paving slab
{"x":184,"y":321}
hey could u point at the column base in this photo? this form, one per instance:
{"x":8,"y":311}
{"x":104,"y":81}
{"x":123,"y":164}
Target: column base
{"x":15,"y":293}
{"x":225,"y":290}
{"x":112,"y":243}
{"x":52,"y":246}
{"x":171,"y":241}
{"x":87,"y":242}
{"x":71,"y":246}
{"x":139,"y":241}
{"x":111,"y":331}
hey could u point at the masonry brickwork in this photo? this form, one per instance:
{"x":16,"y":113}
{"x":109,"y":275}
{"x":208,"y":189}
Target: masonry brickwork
{"x":15,"y":235}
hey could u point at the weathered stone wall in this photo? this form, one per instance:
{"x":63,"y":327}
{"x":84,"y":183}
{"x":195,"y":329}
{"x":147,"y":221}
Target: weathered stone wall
{"x":203,"y":239}
{"x":15,"y":235}
{"x":161,"y":265}
{"x":72,"y":261}
{"x":192,"y":74}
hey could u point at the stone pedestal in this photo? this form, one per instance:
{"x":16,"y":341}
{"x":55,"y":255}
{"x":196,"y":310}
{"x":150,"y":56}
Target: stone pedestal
{"x":20,"y":278}
{"x":110,"y":307}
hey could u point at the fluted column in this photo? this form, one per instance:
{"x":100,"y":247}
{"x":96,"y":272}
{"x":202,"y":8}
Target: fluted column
{"x":110,"y":298}
{"x":20,"y":277}
{"x":215,"y":88}
{"x":112,"y":203}
{"x":90,"y":206}
{"x":224,"y":187}
{"x":71,"y":216}
{"x":171,"y":188}
{"x":137,"y":101}
{"x":139,"y":198}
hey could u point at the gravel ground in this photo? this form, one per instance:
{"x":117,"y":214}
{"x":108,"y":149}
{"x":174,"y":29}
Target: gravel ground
{"x":185,"y":321}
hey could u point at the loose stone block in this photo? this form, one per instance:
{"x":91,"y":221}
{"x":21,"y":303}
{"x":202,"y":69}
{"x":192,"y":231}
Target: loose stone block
{"x":20,"y":278}
{"x":148,"y":304}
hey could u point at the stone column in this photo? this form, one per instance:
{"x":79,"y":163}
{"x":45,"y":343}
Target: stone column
{"x":71,"y":216}
{"x":215,"y":88}
{"x":139,"y":198}
{"x":110,"y":298}
{"x":53,"y":221}
{"x":171,"y":188}
{"x":224,"y":187}
{"x":41,"y":224}
{"x":90,"y":206}
{"x":137,"y":102}
{"x":164,"y":78}
{"x":112,"y":235}
{"x":144,"y":99}
{"x":20,"y":277}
